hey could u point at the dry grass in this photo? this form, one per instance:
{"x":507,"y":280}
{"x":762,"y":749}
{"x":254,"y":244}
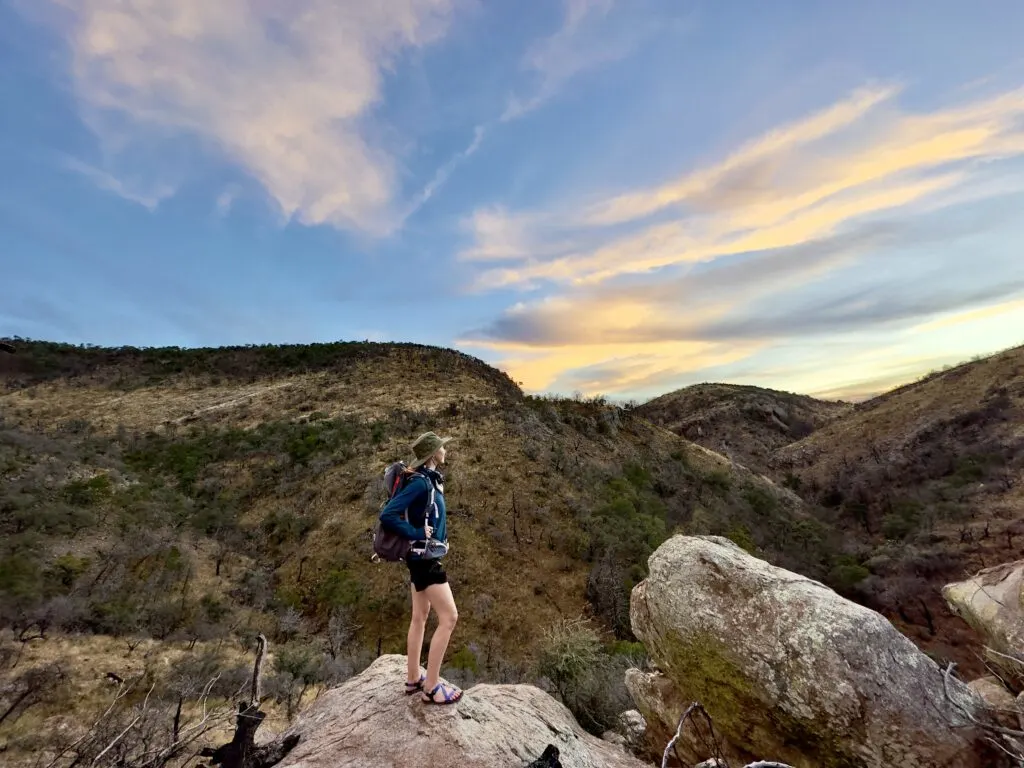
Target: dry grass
{"x":367,"y":389}
{"x":512,"y":575}
{"x":87,"y":691}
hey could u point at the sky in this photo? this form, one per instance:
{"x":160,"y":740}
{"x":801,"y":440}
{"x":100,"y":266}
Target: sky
{"x":615,"y":197}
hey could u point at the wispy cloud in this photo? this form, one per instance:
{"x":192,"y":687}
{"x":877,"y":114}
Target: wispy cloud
{"x":443,"y":173}
{"x":572,"y":50}
{"x":728,"y":259}
{"x":285,"y":90}
{"x":225,"y":201}
{"x":801,"y":182}
{"x":147,"y":194}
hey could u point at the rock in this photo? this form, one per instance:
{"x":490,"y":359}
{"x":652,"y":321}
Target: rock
{"x":714,"y":762}
{"x":791,"y":671}
{"x":614,"y":738}
{"x":1020,"y":710}
{"x":999,"y":701}
{"x":632,"y":726}
{"x":992,"y":602}
{"x":661,"y":705}
{"x":368,"y":721}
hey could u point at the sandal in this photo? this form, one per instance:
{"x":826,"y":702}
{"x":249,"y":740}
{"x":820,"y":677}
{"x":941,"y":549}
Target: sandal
{"x":411,"y":688}
{"x":451,"y":695}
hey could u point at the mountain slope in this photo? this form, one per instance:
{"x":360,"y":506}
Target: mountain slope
{"x":929,"y":480}
{"x":746,"y":424}
{"x":194,"y":497}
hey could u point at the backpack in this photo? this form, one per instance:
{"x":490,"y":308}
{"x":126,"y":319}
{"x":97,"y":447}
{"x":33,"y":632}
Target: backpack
{"x":388,"y":545}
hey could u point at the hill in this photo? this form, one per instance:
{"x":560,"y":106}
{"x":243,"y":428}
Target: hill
{"x":928,"y":479}
{"x":746,"y":424}
{"x":188,"y":499}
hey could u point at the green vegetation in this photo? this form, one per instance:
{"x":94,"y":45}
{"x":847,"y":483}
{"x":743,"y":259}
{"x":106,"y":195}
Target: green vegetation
{"x":585,"y":673}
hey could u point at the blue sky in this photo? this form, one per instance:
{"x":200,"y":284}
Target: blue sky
{"x":604,"y":196}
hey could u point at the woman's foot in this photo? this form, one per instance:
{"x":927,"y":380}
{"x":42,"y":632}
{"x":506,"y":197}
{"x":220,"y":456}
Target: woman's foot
{"x":414,"y":687}
{"x":442,"y":693}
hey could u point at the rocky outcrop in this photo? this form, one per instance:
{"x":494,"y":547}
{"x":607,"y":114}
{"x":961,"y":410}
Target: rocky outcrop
{"x":368,"y":721}
{"x":791,"y":671}
{"x":992,"y":602}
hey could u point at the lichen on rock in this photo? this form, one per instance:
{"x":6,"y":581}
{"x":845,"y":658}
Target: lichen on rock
{"x":788,"y":669}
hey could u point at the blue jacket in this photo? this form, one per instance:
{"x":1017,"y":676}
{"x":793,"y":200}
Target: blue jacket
{"x":414,"y":498}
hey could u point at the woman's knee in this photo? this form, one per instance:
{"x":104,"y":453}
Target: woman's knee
{"x":449,"y":618}
{"x":420,"y":619}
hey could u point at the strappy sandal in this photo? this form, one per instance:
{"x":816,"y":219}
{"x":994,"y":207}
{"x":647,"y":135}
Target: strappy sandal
{"x":449,"y":698}
{"x":411,"y":688}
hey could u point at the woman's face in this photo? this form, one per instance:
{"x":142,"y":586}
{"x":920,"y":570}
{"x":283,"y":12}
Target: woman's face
{"x":439,"y":456}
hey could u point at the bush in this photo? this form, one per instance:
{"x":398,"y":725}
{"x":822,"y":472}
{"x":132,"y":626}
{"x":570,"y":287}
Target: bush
{"x":740,"y":536}
{"x":569,"y":651}
{"x":845,"y":576}
{"x":85,"y":493}
{"x":589,"y":680}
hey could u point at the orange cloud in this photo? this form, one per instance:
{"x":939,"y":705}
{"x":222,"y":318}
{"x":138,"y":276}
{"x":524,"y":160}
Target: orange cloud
{"x":971,"y":316}
{"x":796,"y":184}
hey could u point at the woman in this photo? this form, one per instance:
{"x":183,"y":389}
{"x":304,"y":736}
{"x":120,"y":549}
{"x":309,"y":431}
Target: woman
{"x":418,"y":512}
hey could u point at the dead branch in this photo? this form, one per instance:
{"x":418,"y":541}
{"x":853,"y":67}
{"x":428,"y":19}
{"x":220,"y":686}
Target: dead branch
{"x":257,"y":670}
{"x":242,"y":751}
{"x":1010,"y":734}
{"x":132,"y":724}
{"x":696,"y":708}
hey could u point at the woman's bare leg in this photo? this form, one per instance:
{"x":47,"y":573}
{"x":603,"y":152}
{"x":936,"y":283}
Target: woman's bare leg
{"x":443,"y":602}
{"x":417,"y":626}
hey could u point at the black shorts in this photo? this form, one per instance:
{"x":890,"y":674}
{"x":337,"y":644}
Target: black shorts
{"x":425,"y":573}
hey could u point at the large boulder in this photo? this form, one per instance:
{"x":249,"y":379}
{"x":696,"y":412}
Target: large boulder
{"x":368,"y":721}
{"x":992,"y":602}
{"x":791,"y":671}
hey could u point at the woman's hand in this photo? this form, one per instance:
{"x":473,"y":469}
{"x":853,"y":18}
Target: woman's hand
{"x":429,"y":530}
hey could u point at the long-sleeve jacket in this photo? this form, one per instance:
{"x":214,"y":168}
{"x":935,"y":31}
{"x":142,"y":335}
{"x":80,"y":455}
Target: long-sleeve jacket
{"x":406,"y":513}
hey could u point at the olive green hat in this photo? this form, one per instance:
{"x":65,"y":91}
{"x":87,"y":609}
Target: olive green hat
{"x":426,"y":445}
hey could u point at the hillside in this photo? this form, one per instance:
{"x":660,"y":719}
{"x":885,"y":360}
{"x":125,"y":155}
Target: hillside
{"x":746,"y":424}
{"x":928,"y":479}
{"x":188,"y":499}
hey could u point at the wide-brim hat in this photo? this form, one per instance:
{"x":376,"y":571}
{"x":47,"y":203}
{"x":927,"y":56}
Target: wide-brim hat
{"x":426,"y":445}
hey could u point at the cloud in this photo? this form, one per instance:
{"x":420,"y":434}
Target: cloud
{"x":573,"y":49}
{"x":875,"y":305}
{"x":808,"y":232}
{"x":225,"y":201}
{"x":964,"y":317}
{"x":148,"y":195}
{"x":284,"y":90}
{"x":799,"y":183}
{"x":443,"y":173}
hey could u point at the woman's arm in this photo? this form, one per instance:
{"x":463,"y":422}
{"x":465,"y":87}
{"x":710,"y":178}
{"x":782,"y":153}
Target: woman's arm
{"x":391,"y":515}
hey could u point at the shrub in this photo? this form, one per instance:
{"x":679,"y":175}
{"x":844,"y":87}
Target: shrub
{"x":85,"y":493}
{"x":740,"y":536}
{"x":589,"y":679}
{"x":465,"y":659}
{"x":845,"y":576}
{"x":569,"y":651}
